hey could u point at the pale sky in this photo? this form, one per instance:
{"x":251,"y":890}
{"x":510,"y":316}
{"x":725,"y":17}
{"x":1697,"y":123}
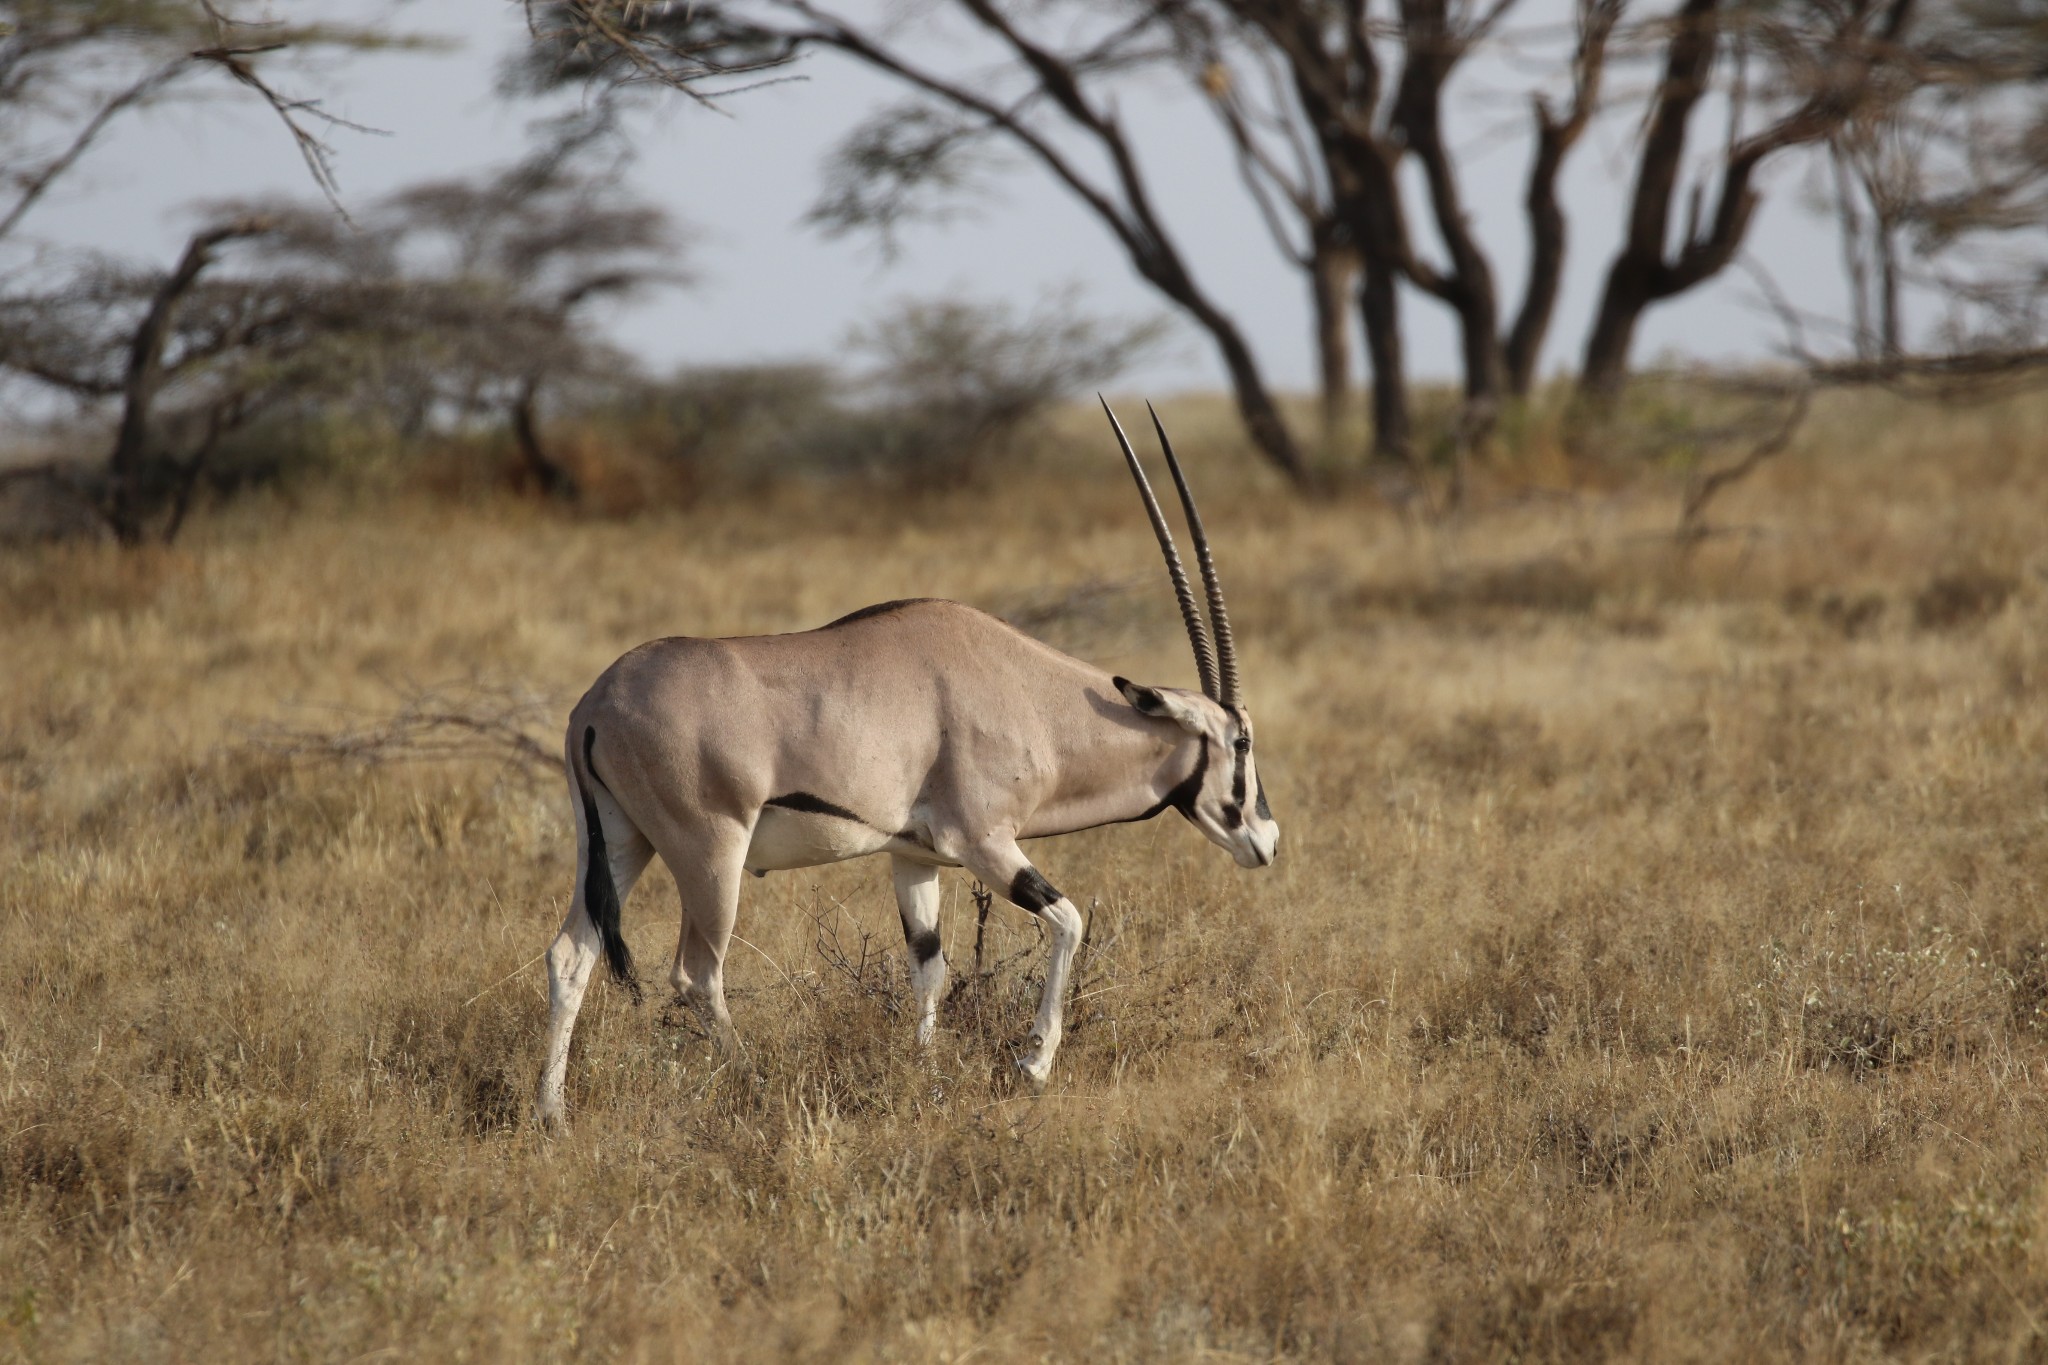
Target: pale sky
{"x":771,"y":288}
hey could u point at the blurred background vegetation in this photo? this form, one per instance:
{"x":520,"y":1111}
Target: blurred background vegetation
{"x":452,"y":333}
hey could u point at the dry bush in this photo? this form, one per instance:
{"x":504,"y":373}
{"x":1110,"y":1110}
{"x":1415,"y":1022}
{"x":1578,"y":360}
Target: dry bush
{"x":1653,"y":968}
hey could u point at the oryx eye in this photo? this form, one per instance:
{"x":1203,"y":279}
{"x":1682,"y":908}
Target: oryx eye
{"x":1243,"y":744}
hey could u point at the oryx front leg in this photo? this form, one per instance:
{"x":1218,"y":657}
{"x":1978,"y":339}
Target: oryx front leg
{"x":1026,"y":887}
{"x":917,"y":902}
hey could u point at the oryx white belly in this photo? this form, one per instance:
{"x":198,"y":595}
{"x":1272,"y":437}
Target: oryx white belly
{"x":785,"y":838}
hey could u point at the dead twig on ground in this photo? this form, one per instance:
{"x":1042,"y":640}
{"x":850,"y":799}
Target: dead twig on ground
{"x":1706,"y":485}
{"x":470,"y":719}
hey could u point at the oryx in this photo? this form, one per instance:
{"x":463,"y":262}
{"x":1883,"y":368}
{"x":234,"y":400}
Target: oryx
{"x":923,"y":729}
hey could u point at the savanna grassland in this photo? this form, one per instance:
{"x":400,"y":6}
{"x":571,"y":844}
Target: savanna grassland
{"x":1655,"y":966}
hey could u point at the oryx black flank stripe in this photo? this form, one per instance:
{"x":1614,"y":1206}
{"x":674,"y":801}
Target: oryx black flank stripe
{"x":1032,"y":891}
{"x":600,"y":895}
{"x":813,"y":805}
{"x":878,"y":609}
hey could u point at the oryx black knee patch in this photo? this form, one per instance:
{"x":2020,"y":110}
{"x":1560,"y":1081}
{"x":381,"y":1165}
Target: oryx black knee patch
{"x":924,"y":946}
{"x":1032,"y":891}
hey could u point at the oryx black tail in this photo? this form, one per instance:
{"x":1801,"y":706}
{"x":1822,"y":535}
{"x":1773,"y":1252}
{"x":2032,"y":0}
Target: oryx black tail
{"x":600,"y":894}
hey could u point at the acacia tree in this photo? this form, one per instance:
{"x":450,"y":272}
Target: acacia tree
{"x":1367,"y":94}
{"x":521,"y":257}
{"x":184,"y":357}
{"x":916,"y":160}
{"x":1320,"y":106}
{"x":1956,"y":179}
{"x":69,"y":70}
{"x":1323,"y":103}
{"x":1041,"y":99}
{"x":460,"y":298}
{"x":76,"y":339}
{"x":1811,"y":68}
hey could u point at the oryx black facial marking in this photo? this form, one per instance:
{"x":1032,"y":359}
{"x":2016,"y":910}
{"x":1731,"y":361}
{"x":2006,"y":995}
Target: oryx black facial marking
{"x":1233,"y":810}
{"x":813,"y":805}
{"x":879,"y":609}
{"x":1032,"y":891}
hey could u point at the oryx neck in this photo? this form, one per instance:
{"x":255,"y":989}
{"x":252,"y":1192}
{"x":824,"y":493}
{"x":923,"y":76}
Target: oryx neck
{"x":1130,"y":770}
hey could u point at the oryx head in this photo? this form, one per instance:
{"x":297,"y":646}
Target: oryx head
{"x":1223,"y":796}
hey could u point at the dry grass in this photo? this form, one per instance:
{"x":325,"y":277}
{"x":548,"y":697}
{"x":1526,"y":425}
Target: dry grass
{"x":1655,"y":966}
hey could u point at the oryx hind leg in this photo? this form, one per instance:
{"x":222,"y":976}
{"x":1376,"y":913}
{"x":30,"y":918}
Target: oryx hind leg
{"x":917,"y":903}
{"x":708,"y":868}
{"x":1005,"y":867}
{"x":574,"y":953}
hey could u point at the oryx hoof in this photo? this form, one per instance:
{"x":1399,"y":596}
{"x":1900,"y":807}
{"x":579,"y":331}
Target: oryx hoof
{"x":1036,"y":1067}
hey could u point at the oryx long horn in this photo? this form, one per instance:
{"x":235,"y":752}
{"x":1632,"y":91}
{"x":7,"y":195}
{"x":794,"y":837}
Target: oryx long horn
{"x":1198,"y":634}
{"x":1226,"y":648}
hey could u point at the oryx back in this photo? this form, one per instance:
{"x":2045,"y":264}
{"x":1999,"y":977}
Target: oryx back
{"x":879,"y":732}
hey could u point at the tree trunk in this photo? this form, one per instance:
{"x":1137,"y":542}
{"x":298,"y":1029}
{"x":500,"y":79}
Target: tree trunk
{"x":1332,"y":271}
{"x":1262,"y":419}
{"x":1546,"y":256}
{"x":1468,"y":288}
{"x":128,"y":464}
{"x":1555,"y":138}
{"x":1890,"y":345}
{"x":1849,"y":185}
{"x":1628,"y":294}
{"x":554,"y":480}
{"x":1379,"y":307}
{"x":1160,"y":265}
{"x":1633,"y":279}
{"x":224,"y":417}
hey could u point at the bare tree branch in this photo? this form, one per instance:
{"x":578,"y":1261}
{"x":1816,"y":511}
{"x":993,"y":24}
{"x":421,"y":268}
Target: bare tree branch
{"x":38,"y":183}
{"x":313,"y":150}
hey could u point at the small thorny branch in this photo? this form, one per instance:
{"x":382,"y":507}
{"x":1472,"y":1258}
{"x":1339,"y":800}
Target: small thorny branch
{"x":601,"y":32}
{"x":983,"y":900}
{"x":293,"y":113}
{"x":471,"y":719}
{"x":984,"y":971}
{"x":861,"y":961}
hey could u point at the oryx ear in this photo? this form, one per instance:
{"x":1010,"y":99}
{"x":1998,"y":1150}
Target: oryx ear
{"x":1159,"y":702}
